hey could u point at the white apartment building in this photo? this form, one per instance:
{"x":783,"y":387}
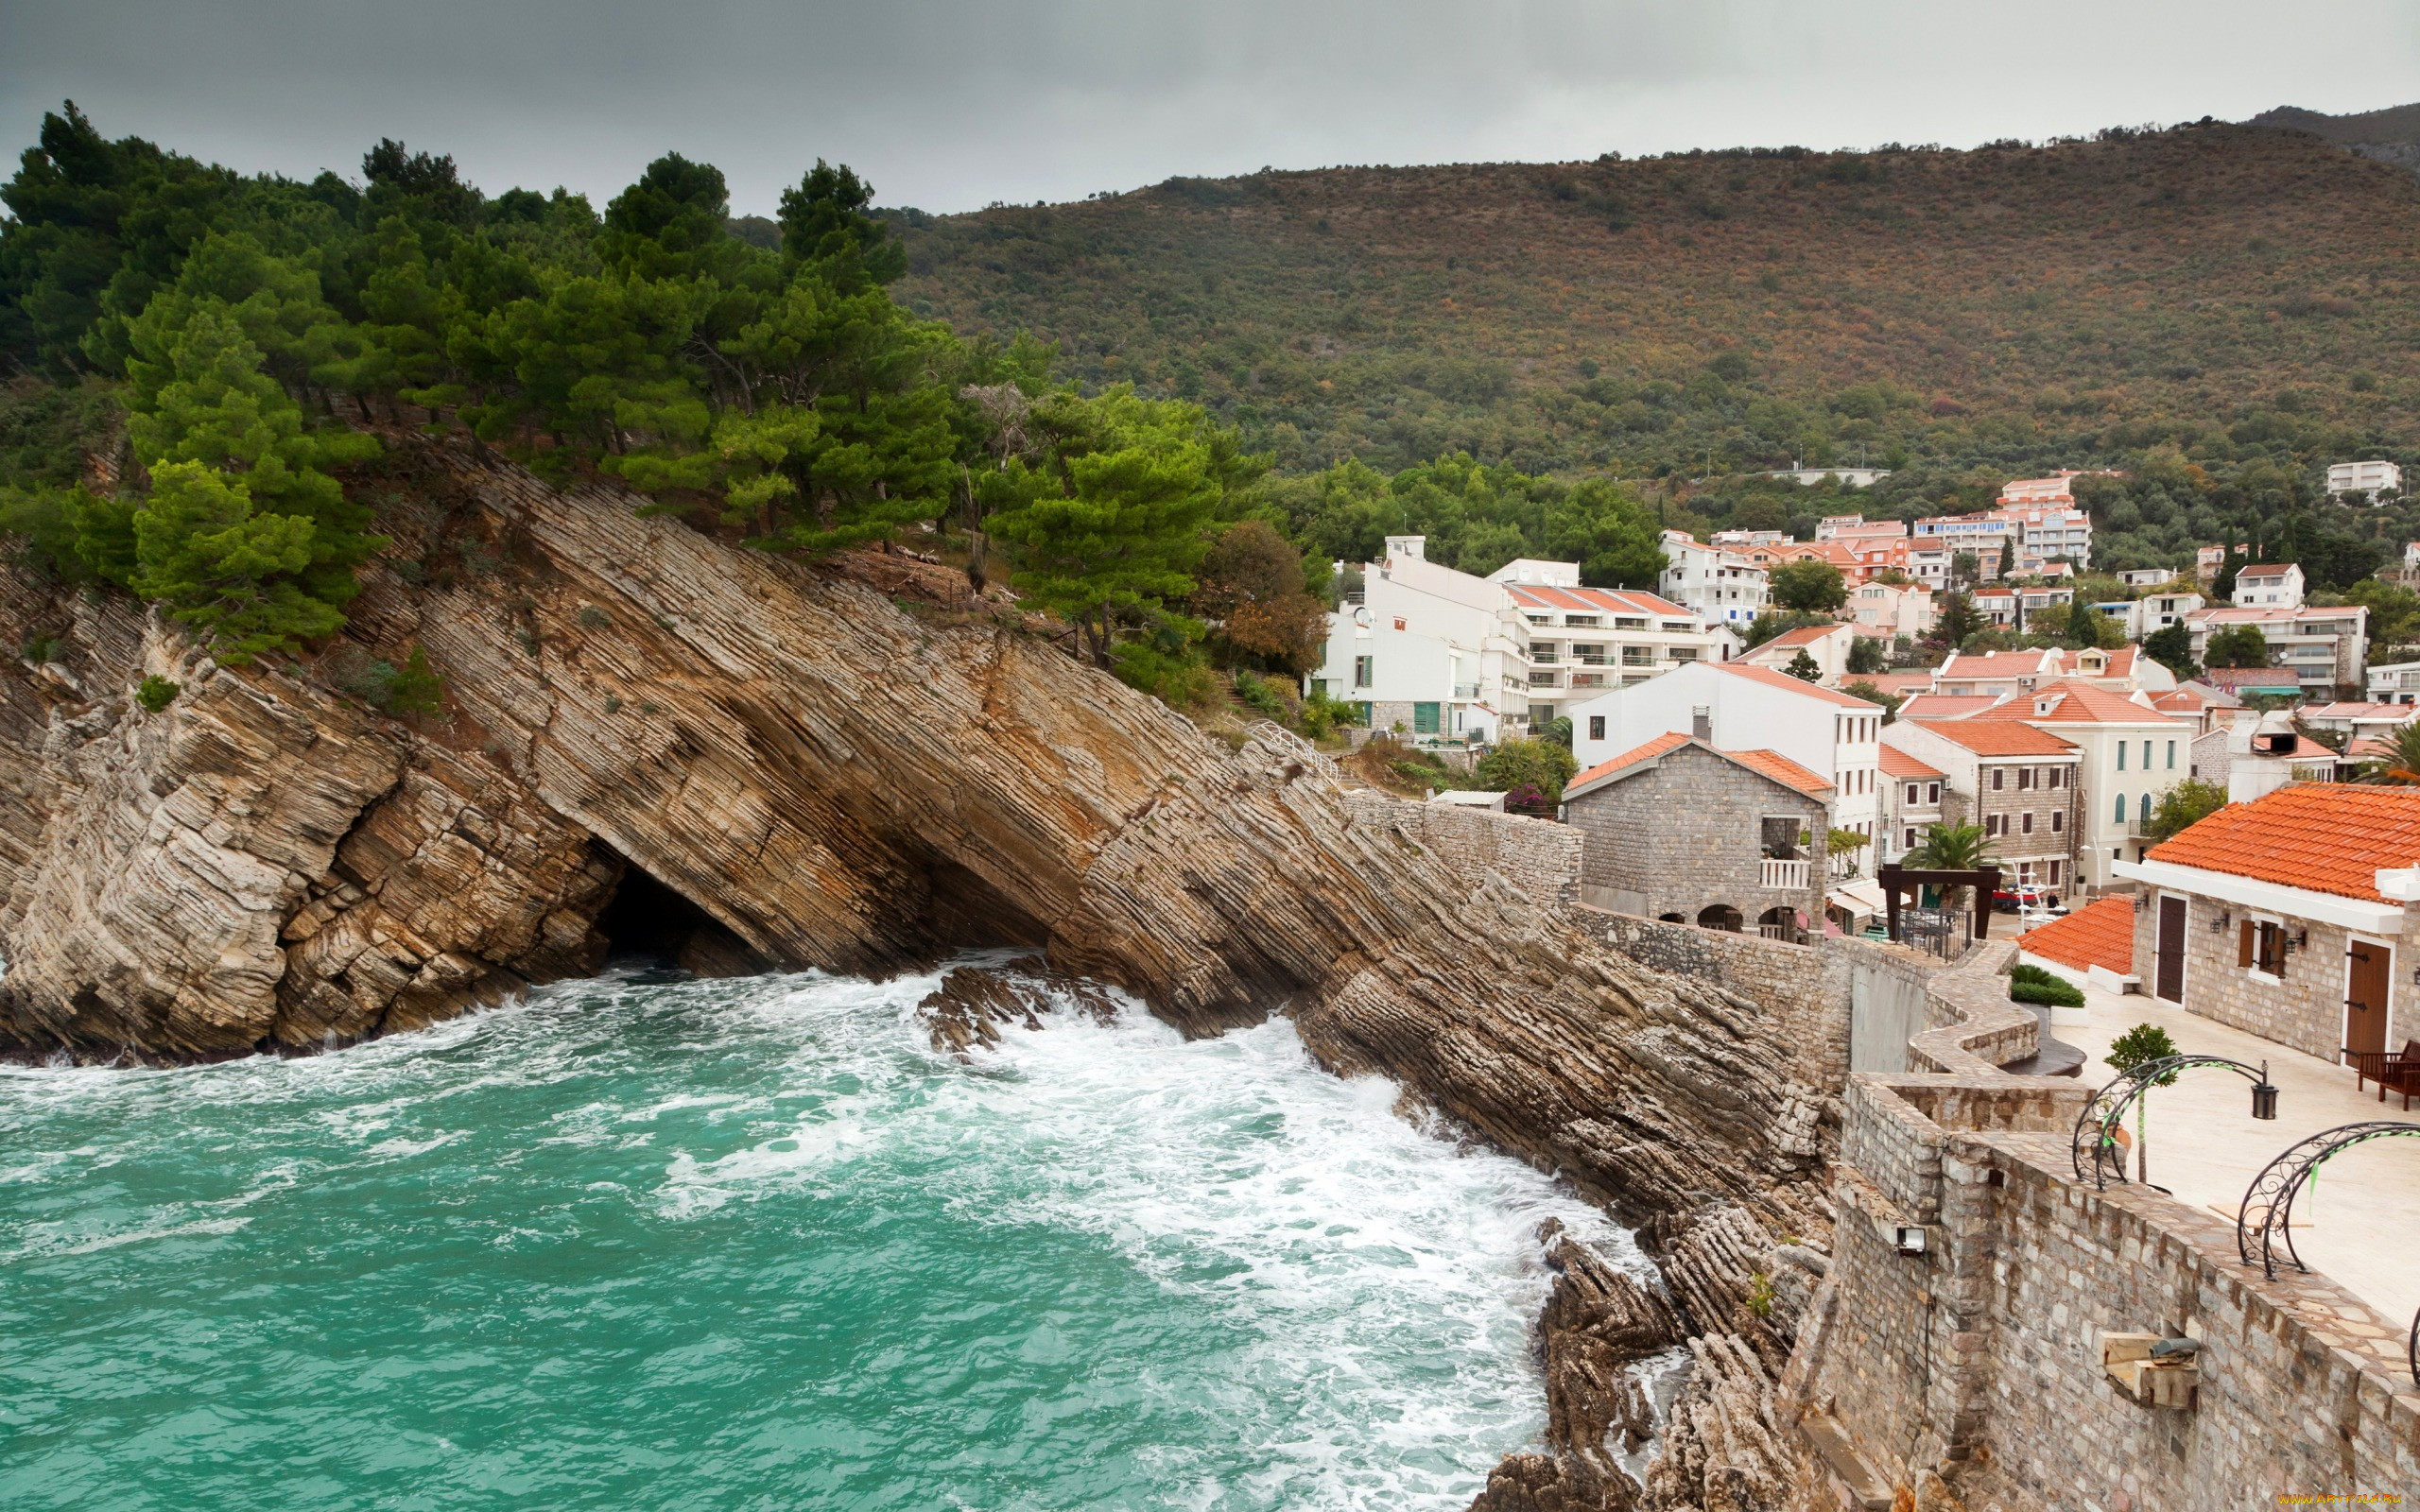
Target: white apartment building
{"x":1719,"y":585}
{"x":1741,"y":540}
{"x":2147,"y":576}
{"x":2395,"y":682}
{"x":2160,"y":610}
{"x":1848,"y":528}
{"x":1583,"y":641}
{"x":1441,"y":653}
{"x":1748,"y":708}
{"x":2050,"y":530}
{"x":2270,"y":585}
{"x":2326,"y":647}
{"x":2365,"y":478}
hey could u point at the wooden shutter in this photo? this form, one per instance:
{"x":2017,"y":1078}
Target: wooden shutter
{"x":2243,"y":943}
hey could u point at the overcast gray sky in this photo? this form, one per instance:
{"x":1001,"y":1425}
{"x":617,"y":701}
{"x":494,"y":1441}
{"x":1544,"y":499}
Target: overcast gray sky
{"x":949,"y":104}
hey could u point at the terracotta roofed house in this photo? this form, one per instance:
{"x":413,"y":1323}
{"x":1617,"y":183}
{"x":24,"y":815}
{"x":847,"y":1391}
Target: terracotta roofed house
{"x":2016,"y":781}
{"x":2291,"y":917}
{"x":1911,"y":796}
{"x":1585,"y":640}
{"x":1996,"y":671}
{"x":2133,"y":755}
{"x":1675,"y":828}
{"x":1826,"y":646}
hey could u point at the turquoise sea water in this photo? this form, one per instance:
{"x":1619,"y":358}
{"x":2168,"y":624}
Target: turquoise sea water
{"x":651,"y":1244}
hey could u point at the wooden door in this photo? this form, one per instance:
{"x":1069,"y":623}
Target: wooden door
{"x":2365,"y":979}
{"x":2171,"y":953}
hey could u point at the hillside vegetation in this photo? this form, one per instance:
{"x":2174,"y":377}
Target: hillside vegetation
{"x":2224,"y":289}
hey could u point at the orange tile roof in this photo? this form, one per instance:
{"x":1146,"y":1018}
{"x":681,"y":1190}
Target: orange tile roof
{"x":1600,"y":600}
{"x":1804,"y":635}
{"x":1897,"y":763}
{"x":1898,"y":682}
{"x":2001,"y":665}
{"x":2074,"y":702}
{"x":1783,"y":680}
{"x":2000,"y":737}
{"x":1673,"y":741}
{"x":2101,"y":933}
{"x":2329,"y":837}
{"x":1763,"y":763}
{"x":1783,"y":770}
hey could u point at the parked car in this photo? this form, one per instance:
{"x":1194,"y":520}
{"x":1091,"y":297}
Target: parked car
{"x":2012,"y":899}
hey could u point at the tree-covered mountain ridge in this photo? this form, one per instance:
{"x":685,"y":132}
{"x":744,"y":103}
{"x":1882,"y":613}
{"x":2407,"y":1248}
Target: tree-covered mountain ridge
{"x":2214,"y":287}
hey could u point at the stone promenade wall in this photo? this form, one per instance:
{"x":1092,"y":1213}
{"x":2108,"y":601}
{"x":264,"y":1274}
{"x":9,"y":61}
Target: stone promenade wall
{"x":1970,"y":1376}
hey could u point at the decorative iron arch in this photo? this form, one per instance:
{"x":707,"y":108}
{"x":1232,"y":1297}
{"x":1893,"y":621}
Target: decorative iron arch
{"x":2273,"y":1193}
{"x":2106,"y":1109}
{"x":2413,"y":1358}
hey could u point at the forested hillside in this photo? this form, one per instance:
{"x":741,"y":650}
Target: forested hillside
{"x":1720,"y":311}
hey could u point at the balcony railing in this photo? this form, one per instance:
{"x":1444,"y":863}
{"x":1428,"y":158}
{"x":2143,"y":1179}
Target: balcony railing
{"x":1546,"y":680}
{"x":1587,"y":679}
{"x":1782,"y":876}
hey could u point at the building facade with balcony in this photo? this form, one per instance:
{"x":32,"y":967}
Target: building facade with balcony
{"x":1584,"y":641}
{"x":1675,"y":828}
{"x":2270,"y":585}
{"x":2372,"y":478}
{"x":2327,"y":648}
{"x":2394,"y":682}
{"x":1439,"y":652}
{"x":2016,"y":781}
{"x":1718,"y":585}
{"x":2131,"y":755}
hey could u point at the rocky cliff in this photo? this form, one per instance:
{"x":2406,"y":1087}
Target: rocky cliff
{"x":655,"y":738}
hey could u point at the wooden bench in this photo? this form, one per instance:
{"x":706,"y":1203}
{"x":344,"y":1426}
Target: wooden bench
{"x":2393,"y":1070}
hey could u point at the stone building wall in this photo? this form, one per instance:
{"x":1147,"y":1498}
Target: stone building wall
{"x":1688,"y":836}
{"x":2305,"y":1011}
{"x":1539,"y":856}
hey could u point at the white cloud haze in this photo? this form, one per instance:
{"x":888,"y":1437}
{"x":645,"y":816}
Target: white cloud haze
{"x":949,"y":104}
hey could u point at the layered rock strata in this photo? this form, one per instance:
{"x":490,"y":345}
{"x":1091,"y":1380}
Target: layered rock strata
{"x":808,"y":775}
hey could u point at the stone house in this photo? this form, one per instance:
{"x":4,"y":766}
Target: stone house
{"x":2016,"y":781}
{"x":2291,"y":917}
{"x":1912,"y":800}
{"x":1679,"y":830}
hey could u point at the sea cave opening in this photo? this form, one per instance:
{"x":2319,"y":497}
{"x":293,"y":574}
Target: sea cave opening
{"x":647,"y":919}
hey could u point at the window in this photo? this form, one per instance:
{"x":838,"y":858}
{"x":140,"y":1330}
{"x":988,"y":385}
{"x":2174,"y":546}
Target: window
{"x":1596,"y":726}
{"x":1932,"y":793}
{"x":1999,"y":775}
{"x":1910,"y":841}
{"x":2121,"y":755}
{"x":1365,"y":671}
{"x":2058,"y":820}
{"x":2171,"y":755}
{"x":2024,"y":778}
{"x":1423,"y":719}
{"x":2054,"y":866}
{"x":2121,"y":808}
{"x":2058,"y":778}
{"x":2260,"y":944}
{"x":2143,"y":808}
{"x":2147,"y":756}
{"x":2025,"y":825}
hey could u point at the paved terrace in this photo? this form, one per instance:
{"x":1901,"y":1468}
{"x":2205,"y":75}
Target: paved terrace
{"x":2206,"y":1147}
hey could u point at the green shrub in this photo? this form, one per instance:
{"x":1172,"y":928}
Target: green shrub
{"x":2052,"y":993}
{"x":1179,"y":680}
{"x":156,"y":692}
{"x":1259,"y":697}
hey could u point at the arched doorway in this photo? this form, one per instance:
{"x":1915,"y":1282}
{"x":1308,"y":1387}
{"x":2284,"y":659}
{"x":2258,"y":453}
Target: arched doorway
{"x":1778,"y":923}
{"x":1671,"y":918}
{"x":1720,"y":916}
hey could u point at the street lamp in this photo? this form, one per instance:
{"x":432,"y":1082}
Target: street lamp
{"x":2264,"y":1096}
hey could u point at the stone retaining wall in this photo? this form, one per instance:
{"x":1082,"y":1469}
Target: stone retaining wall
{"x":1538,"y":856}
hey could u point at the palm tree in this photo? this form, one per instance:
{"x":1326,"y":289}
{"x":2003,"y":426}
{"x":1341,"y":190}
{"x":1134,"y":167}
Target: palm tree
{"x":1953,"y":848}
{"x":2401,"y":763}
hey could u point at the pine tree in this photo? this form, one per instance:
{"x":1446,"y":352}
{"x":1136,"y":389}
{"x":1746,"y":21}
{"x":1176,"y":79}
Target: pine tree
{"x":230,"y":573}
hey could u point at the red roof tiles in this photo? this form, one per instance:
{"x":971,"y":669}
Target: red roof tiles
{"x":2101,"y":933}
{"x":1783,"y":770}
{"x":2323,"y":836}
{"x":1897,"y":763}
{"x":1673,"y":741}
{"x":2000,"y":737}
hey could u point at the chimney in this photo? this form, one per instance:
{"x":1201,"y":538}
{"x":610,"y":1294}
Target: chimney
{"x":1702,"y":724}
